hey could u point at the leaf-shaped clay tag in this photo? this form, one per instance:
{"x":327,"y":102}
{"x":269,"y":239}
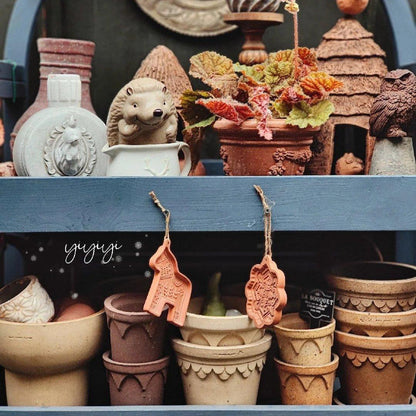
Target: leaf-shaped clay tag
{"x":265,"y":293}
{"x":169,"y":286}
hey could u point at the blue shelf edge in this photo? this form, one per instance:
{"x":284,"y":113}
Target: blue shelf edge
{"x":303,"y":203}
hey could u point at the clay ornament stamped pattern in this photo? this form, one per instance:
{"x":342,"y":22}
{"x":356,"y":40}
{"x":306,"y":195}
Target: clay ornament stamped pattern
{"x":169,"y":287}
{"x":265,"y":290}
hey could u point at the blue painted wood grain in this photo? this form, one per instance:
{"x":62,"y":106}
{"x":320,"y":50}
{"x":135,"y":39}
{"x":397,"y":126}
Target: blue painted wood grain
{"x":307,"y":203}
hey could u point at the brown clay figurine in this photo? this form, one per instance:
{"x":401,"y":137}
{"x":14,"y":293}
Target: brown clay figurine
{"x":349,"y":164}
{"x":7,"y":169}
{"x":394,"y":109}
{"x":143,"y":112}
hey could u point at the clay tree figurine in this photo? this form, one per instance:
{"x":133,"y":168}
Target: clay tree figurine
{"x":392,"y":115}
{"x":283,"y":99}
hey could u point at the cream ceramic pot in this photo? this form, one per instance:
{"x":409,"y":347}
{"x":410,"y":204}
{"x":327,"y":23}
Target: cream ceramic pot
{"x":147,"y":160}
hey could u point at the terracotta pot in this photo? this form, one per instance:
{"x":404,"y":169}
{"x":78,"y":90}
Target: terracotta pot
{"x":307,"y":385}
{"x":300,"y":345}
{"x":245,"y":153}
{"x":220,"y":330}
{"x":46,"y":364}
{"x":61,"y":56}
{"x":136,"y":384}
{"x":373,"y":286}
{"x":376,"y":370}
{"x":135,"y":336}
{"x":374,"y":324}
{"x":221,"y":375}
{"x":338,"y":402}
{"x":25,"y":300}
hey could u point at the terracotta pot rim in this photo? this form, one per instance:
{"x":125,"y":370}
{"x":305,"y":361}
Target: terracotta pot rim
{"x":409,"y":315}
{"x":302,"y":333}
{"x":72,"y":46}
{"x":215,"y":355}
{"x":309,"y":370}
{"x":134,"y":368}
{"x":391,"y":345}
{"x":364,"y":285}
{"x":31,"y":280}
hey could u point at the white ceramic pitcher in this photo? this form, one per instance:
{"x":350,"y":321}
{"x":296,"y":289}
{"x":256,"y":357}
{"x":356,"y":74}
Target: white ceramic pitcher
{"x":147,"y":160}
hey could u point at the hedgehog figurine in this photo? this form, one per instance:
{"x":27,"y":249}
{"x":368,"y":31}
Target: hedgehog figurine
{"x":143,"y":112}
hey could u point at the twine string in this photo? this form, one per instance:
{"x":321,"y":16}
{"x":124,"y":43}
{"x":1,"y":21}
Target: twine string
{"x":267,"y":217}
{"x":165,"y":212}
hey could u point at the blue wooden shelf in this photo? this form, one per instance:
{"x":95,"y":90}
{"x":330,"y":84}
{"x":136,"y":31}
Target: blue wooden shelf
{"x":308,"y":203}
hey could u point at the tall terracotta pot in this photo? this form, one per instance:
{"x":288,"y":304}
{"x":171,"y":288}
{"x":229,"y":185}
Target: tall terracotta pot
{"x":245,"y":153}
{"x":60,"y":56}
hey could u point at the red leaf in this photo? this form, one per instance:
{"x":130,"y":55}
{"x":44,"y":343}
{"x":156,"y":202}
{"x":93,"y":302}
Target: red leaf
{"x":229,"y":109}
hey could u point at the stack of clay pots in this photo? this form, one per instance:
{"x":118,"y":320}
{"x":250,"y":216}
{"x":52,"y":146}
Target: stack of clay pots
{"x":306,"y":366}
{"x":221,"y":357}
{"x":136,"y":368}
{"x":376,"y":331}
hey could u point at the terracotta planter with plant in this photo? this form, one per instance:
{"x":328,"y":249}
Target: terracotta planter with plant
{"x":275,"y":108}
{"x":374,"y":286}
{"x":376,"y":370}
{"x":135,"y":336}
{"x":307,"y":385}
{"x":300,"y":345}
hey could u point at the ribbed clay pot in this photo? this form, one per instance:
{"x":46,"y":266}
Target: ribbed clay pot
{"x":307,"y":385}
{"x":136,"y":383}
{"x":371,"y":286}
{"x":376,"y":370}
{"x":135,"y":336}
{"x":221,"y":375}
{"x":300,"y":345}
{"x":219,"y":330}
{"x":394,"y":324}
{"x":61,"y":56}
{"x":47,"y":364}
{"x":239,"y":6}
{"x":245,"y":153}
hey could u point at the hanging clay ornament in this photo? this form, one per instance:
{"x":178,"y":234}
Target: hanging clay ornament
{"x":265,"y":290}
{"x":169,"y":287}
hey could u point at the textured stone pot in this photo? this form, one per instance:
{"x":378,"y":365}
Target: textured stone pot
{"x":245,"y":153}
{"x":25,"y":300}
{"x":47,"y":364}
{"x":300,"y":345}
{"x":374,"y":286}
{"x":307,"y":385}
{"x":219,"y":330}
{"x":136,"y":384}
{"x":374,"y":324}
{"x":135,"y":336}
{"x":238,"y":6}
{"x":221,"y":375}
{"x":61,"y":56}
{"x":376,"y":370}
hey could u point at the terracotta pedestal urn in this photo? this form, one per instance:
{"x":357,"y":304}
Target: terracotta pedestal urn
{"x":61,"y":56}
{"x":46,"y":364}
{"x":227,"y":375}
{"x":373,"y":286}
{"x":135,"y":336}
{"x":376,"y":370}
{"x":245,"y":153}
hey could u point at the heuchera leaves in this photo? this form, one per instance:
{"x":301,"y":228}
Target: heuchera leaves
{"x":318,"y":85}
{"x":193,"y":113}
{"x":227,"y":108}
{"x":304,"y":115}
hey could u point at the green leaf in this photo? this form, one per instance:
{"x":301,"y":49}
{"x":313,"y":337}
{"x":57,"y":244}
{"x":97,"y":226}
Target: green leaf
{"x":304,"y":115}
{"x":204,"y":123}
{"x":255,"y":71}
{"x":280,"y":109}
{"x":194,"y":113}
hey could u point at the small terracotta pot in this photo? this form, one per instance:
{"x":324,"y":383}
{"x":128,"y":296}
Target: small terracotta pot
{"x":218,"y":331}
{"x":25,"y":300}
{"x":135,"y":336}
{"x":374,"y":324}
{"x":136,"y":384}
{"x":221,"y":375}
{"x":307,"y":385}
{"x":372,"y":286}
{"x":245,"y":153}
{"x":376,"y":370}
{"x":300,"y":345}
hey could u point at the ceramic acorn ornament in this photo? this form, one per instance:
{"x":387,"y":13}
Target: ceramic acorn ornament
{"x":169,"y":287}
{"x":265,"y":290}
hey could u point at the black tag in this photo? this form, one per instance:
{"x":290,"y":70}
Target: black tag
{"x":317,"y":307}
